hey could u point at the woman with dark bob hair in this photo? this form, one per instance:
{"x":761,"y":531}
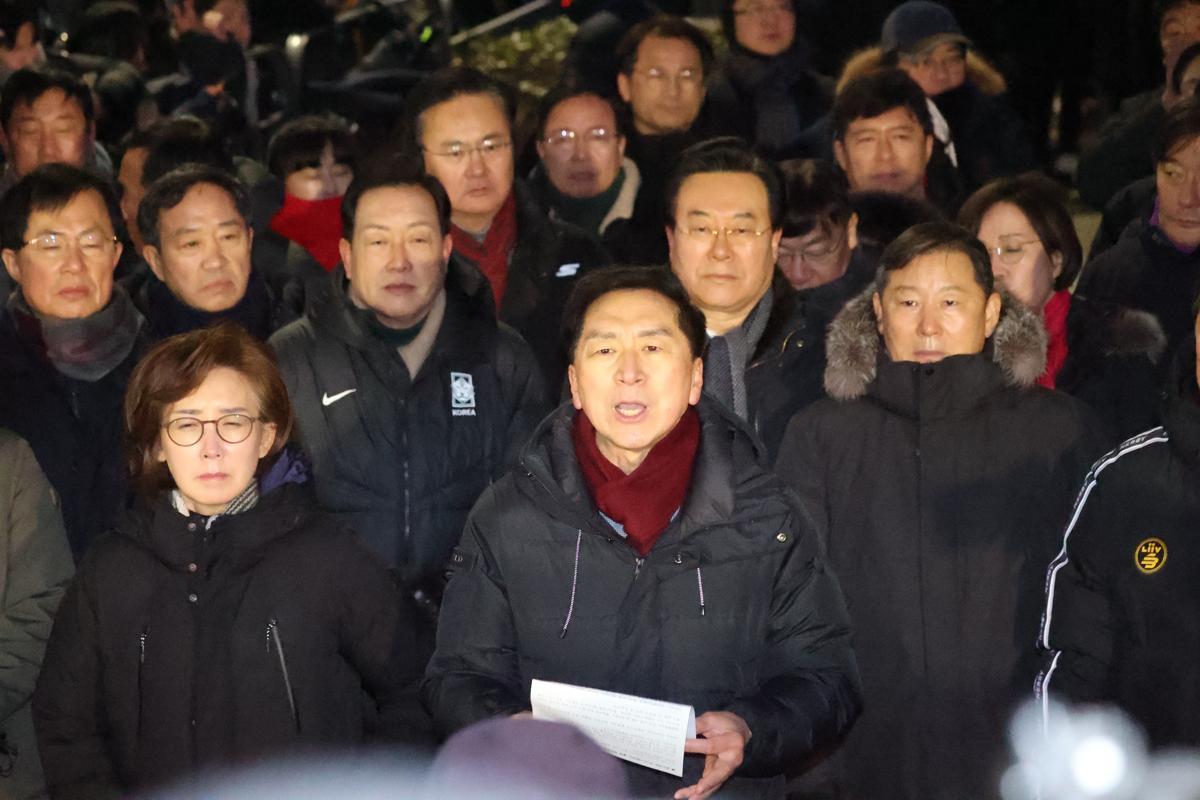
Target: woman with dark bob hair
{"x":225,"y":619}
{"x":1104,"y":354}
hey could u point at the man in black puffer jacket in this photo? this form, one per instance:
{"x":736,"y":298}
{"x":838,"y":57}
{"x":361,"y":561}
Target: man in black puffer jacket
{"x":409,"y":395}
{"x":941,"y":476}
{"x":1122,"y":596}
{"x":642,"y":547}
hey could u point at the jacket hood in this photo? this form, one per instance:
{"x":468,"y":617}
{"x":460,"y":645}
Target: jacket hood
{"x":853,"y":346}
{"x":1120,"y":331}
{"x":983,"y":75}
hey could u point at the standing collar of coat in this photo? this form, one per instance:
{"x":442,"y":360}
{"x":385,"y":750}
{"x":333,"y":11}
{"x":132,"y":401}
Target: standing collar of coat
{"x":855,"y":349}
{"x":725,"y":463}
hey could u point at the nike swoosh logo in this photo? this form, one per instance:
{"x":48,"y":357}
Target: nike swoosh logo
{"x":328,"y":399}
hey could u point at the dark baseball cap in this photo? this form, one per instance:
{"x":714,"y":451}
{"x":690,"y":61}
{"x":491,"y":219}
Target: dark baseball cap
{"x":918,"y":25}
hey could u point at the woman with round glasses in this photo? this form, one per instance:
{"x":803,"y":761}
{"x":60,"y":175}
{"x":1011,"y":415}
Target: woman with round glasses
{"x":225,"y":619}
{"x":1101,"y":353}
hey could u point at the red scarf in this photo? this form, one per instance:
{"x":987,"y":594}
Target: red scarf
{"x":643,"y":501}
{"x":491,"y":255}
{"x":1055,"y":317}
{"x":315,"y":225}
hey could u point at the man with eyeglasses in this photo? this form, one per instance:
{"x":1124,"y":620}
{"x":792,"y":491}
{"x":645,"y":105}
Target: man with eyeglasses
{"x":69,"y":340}
{"x":461,"y":124}
{"x":972,"y":118}
{"x":764,"y":358}
{"x":664,"y":66}
{"x":194,"y":223}
{"x":584,"y":177}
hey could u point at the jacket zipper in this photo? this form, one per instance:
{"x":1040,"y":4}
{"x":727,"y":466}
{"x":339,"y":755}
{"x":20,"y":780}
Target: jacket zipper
{"x":637,"y":567}
{"x":140,"y":677}
{"x":273,"y":633}
{"x":404,"y":448}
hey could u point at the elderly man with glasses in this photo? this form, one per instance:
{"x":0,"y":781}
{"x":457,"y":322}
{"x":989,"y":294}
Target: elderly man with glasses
{"x":584,"y":176}
{"x":462,"y":125}
{"x":69,"y":339}
{"x":765,"y":358}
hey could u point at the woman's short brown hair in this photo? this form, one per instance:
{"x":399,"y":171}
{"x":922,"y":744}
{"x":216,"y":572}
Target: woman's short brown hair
{"x":173,"y":369}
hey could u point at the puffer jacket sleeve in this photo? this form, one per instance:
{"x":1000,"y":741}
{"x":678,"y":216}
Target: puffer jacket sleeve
{"x":68,"y":710}
{"x":811,"y":694}
{"x":1078,"y":626}
{"x":378,"y":634}
{"x":525,"y":390}
{"x":474,"y":672}
{"x":35,"y":571}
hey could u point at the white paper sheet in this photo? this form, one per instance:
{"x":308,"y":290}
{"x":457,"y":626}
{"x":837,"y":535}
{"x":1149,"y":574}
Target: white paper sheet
{"x":638,"y":729}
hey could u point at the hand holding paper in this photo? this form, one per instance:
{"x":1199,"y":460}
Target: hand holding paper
{"x":724,"y":745}
{"x":647,"y":732}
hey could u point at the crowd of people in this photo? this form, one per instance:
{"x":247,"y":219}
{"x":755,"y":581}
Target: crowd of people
{"x":789,"y":396}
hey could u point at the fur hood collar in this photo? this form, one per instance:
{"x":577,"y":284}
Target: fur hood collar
{"x":983,"y":75}
{"x":853,"y":345}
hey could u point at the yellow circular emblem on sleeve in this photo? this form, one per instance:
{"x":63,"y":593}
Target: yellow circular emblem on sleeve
{"x":1150,"y":556}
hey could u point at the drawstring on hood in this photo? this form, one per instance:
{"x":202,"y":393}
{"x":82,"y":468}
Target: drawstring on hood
{"x":574,"y":583}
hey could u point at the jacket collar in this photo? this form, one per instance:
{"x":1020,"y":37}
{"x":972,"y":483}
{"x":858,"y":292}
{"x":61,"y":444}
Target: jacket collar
{"x":723,"y":467}
{"x":468,"y":317}
{"x":854,"y":353}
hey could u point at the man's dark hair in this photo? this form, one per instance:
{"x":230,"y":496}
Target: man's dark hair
{"x":14,"y":14}
{"x":597,"y":283}
{"x":566,"y":91}
{"x":1044,"y":203}
{"x":663,"y":26}
{"x":27,"y":84}
{"x":725,"y":154}
{"x":1186,"y":57}
{"x":877,"y":93}
{"x":396,"y":173}
{"x":451,"y":82}
{"x":180,"y":140}
{"x":51,"y":187}
{"x":121,"y":92}
{"x":169,"y":190}
{"x":817,"y":196}
{"x":935,"y":237}
{"x":882,"y":216}
{"x":110,"y":28}
{"x":299,"y":144}
{"x":1180,"y":126}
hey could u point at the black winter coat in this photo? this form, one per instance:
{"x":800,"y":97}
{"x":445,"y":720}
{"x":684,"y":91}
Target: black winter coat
{"x":73,"y":426}
{"x":733,"y":608}
{"x":784,"y":372}
{"x":401,"y":459}
{"x":989,"y":137}
{"x":1123,"y":595}
{"x":260,"y":311}
{"x":1144,"y":270}
{"x":181,"y":646}
{"x":940,"y":488}
{"x":542,"y":269}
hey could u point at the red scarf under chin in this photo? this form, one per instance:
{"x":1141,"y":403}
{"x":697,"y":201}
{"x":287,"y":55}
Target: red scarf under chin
{"x":1055,"y":317}
{"x":491,"y":255}
{"x":315,"y":225}
{"x":644,"y":500}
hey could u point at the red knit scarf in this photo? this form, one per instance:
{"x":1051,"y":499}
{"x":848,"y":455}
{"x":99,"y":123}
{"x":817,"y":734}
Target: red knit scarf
{"x":1055,"y":317}
{"x":491,"y":255}
{"x":643,"y":501}
{"x":315,"y":225}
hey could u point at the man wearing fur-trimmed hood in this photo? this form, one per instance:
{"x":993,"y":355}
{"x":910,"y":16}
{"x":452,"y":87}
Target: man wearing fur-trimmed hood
{"x":941,"y":476}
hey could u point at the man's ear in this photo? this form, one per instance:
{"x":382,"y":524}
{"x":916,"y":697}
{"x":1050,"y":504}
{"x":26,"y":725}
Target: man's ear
{"x":839,"y":155}
{"x":621,"y":145}
{"x":697,"y":387}
{"x":992,"y":313}
{"x":154,"y":259}
{"x":10,"y":263}
{"x":623,"y":86}
{"x":347,"y":254}
{"x":852,"y":232}
{"x":573,"y":382}
{"x":928,"y":148}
